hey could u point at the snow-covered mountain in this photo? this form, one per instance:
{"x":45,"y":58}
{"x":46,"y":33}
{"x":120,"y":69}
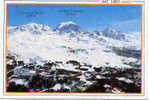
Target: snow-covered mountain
{"x":33,"y":41}
{"x":69,"y":27}
{"x":33,"y":28}
{"x":111,"y":33}
{"x":69,"y":59}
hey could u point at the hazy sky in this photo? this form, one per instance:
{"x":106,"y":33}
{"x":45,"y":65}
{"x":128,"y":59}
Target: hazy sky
{"x":125,"y":18}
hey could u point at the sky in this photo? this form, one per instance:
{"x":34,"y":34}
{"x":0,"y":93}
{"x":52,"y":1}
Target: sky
{"x":124,"y":18}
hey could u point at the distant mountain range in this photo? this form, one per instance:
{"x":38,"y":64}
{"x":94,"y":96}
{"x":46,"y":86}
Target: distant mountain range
{"x":37,"y":40}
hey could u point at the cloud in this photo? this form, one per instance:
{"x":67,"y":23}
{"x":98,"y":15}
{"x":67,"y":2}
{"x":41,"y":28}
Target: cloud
{"x":128,"y":26}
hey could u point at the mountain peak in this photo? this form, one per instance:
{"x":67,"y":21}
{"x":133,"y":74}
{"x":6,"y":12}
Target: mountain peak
{"x":31,"y":27}
{"x":110,"y":30}
{"x":66,"y":24}
{"x":69,"y":27}
{"x":32,"y":23}
{"x":112,"y":33}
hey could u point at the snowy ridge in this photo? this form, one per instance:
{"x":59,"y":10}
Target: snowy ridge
{"x":29,"y":28}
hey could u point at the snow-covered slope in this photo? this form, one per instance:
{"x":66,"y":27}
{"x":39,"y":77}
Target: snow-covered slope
{"x":38,"y":42}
